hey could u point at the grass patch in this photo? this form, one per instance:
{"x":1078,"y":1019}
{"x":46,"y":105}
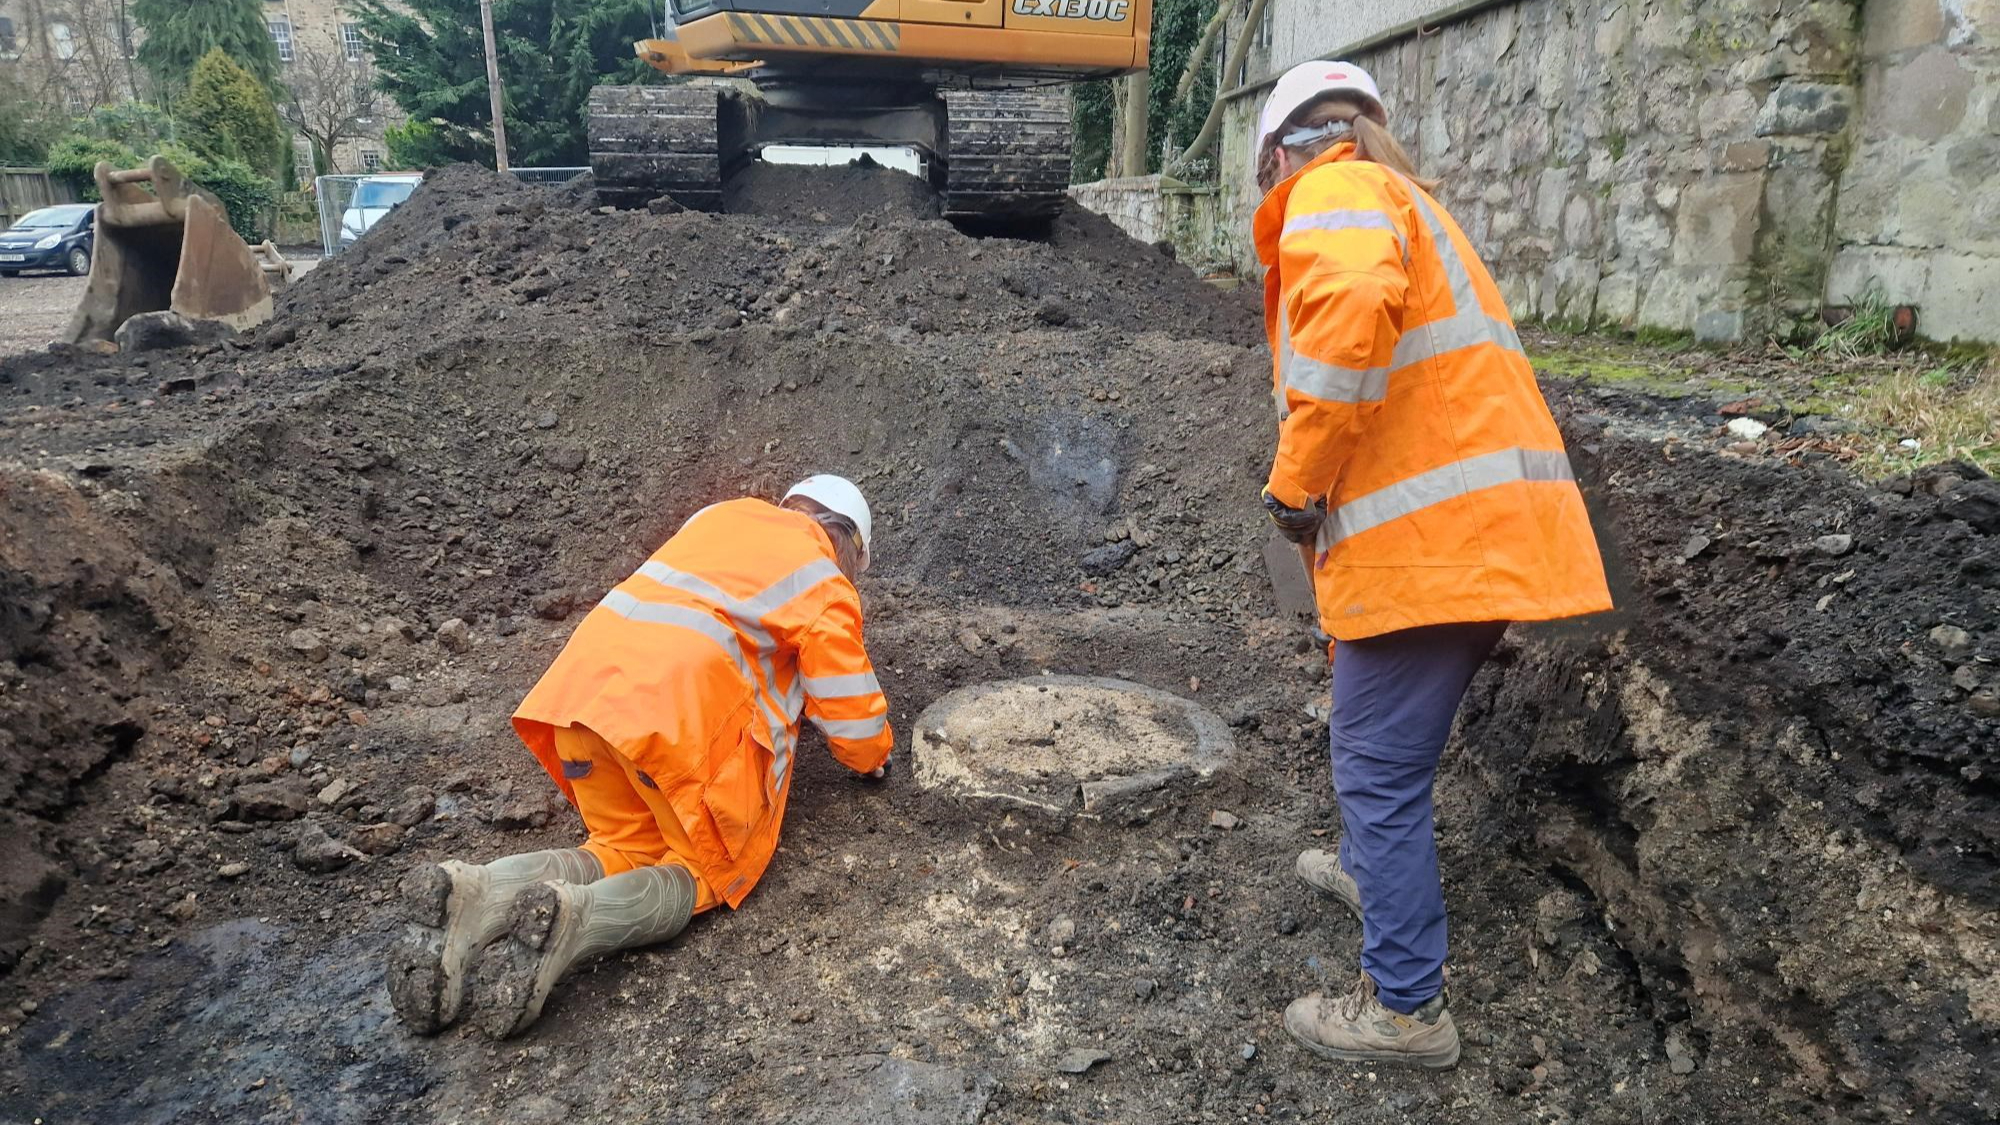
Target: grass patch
{"x":1870,"y":330}
{"x":1951,"y":411}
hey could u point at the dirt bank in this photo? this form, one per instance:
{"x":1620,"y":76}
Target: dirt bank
{"x":281,"y":595}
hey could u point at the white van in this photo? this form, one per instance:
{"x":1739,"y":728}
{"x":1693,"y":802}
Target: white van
{"x":374,"y":197}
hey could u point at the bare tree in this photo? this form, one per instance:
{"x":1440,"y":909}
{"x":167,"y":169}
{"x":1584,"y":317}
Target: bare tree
{"x":329,"y":99}
{"x":82,"y":52}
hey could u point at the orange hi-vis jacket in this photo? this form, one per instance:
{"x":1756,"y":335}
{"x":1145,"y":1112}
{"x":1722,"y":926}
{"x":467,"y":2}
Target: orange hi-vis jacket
{"x":1407,"y":405}
{"x":698,"y":668}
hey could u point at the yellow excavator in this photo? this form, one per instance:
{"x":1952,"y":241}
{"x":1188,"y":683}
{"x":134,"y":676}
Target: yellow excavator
{"x":974,"y":86}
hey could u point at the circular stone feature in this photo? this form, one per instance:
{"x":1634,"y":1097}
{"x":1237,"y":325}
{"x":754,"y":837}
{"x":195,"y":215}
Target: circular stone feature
{"x":1064,"y":744}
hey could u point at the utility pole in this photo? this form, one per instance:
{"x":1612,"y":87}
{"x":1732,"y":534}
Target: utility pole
{"x":493,"y":85}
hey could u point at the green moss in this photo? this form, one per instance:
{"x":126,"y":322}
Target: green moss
{"x":1616,"y":143}
{"x":1599,"y":367}
{"x":1655,"y":337}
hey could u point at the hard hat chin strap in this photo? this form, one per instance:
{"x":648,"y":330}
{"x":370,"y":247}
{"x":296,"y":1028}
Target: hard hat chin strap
{"x":1300,"y":137}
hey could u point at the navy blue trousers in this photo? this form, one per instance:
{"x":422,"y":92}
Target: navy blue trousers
{"x":1394,"y":697}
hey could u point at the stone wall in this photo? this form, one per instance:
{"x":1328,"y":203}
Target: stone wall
{"x":1919,"y":212}
{"x":1628,"y":163}
{"x":1161,"y":208}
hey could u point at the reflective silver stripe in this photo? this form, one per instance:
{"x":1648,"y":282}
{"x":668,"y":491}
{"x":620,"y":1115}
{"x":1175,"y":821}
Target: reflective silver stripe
{"x":853,"y":729}
{"x":1462,"y":330}
{"x":686,"y":617}
{"x":778,"y":726}
{"x":1434,"y":486}
{"x":681,"y":580}
{"x":1345,"y":220}
{"x":780,"y":593}
{"x":1469,"y":325}
{"x":1286,"y":357}
{"x":1336,"y":384}
{"x":747,"y":615}
{"x":841,"y":687}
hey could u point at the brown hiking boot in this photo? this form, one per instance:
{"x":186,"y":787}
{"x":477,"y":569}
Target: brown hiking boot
{"x":1322,"y":872}
{"x":1357,"y":1028}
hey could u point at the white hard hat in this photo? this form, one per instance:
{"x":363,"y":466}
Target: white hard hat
{"x":839,"y":496}
{"x":1308,"y":82}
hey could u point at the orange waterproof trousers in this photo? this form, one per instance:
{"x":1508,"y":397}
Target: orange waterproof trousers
{"x":631,"y":824}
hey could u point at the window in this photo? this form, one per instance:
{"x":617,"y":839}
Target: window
{"x":7,"y":44}
{"x":125,"y":43}
{"x":350,"y":41}
{"x":371,"y":159}
{"x":364,"y":99}
{"x":77,"y":105}
{"x":65,"y":43}
{"x":281,"y":34}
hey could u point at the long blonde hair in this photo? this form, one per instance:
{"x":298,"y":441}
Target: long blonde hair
{"x":1372,"y":141}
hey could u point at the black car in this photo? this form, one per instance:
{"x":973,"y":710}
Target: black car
{"x":53,"y":238}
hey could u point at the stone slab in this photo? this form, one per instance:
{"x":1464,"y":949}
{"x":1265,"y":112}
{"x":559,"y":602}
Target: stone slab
{"x":1060,"y":745}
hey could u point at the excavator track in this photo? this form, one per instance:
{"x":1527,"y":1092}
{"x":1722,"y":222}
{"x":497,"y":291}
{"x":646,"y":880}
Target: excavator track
{"x":649,"y":141}
{"x":1009,"y":153}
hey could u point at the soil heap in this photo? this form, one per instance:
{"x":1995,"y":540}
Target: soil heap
{"x":266,"y":604}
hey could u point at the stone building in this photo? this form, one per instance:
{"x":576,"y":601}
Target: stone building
{"x":326,"y":64}
{"x":72,"y":55}
{"x":79,"y":55}
{"x":1720,"y":167}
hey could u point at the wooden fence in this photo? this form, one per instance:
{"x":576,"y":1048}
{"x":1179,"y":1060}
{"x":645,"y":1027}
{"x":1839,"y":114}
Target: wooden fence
{"x":25,"y":189}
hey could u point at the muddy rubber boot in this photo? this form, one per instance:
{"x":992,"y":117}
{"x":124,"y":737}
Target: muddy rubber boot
{"x":1322,"y":872}
{"x":454,"y":911}
{"x":1357,"y":1028}
{"x":557,"y":926}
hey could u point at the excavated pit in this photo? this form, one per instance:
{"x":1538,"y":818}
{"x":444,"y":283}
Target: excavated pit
{"x":1725,"y":855}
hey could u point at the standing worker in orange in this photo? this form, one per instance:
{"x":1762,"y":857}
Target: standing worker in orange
{"x":1420,"y":464}
{"x":669,"y":721}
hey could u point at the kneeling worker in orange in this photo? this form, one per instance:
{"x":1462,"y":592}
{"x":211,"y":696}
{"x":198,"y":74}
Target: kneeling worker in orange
{"x":670,"y":721}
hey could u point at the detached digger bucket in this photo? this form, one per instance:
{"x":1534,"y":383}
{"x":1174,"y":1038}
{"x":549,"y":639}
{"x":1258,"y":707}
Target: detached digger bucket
{"x":170,"y":248}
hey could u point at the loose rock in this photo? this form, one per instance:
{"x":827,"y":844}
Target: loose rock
{"x":1977,"y":503}
{"x":152,"y":331}
{"x":1077,"y":1060}
{"x":377,"y":839}
{"x":412,"y":808}
{"x":455,"y":635}
{"x":1954,"y":643}
{"x":308,"y":644}
{"x":320,"y":853}
{"x":1748,"y":429}
{"x":269,"y":801}
{"x":1108,"y":558}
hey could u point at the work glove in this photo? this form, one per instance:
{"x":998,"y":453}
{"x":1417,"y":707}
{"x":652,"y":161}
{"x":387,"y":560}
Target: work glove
{"x":875,"y":776}
{"x":1300,"y":525}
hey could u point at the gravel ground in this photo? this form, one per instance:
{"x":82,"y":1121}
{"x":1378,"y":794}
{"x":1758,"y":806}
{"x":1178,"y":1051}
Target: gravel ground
{"x":34,"y":309}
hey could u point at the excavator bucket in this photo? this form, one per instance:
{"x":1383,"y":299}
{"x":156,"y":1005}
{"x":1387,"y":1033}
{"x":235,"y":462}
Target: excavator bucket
{"x":170,"y":248}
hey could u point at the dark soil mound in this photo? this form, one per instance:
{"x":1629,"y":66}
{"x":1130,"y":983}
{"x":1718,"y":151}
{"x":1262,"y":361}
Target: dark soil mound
{"x":822,"y":195}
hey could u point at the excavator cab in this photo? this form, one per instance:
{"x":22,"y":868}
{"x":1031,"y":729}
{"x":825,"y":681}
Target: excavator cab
{"x":973,"y":85}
